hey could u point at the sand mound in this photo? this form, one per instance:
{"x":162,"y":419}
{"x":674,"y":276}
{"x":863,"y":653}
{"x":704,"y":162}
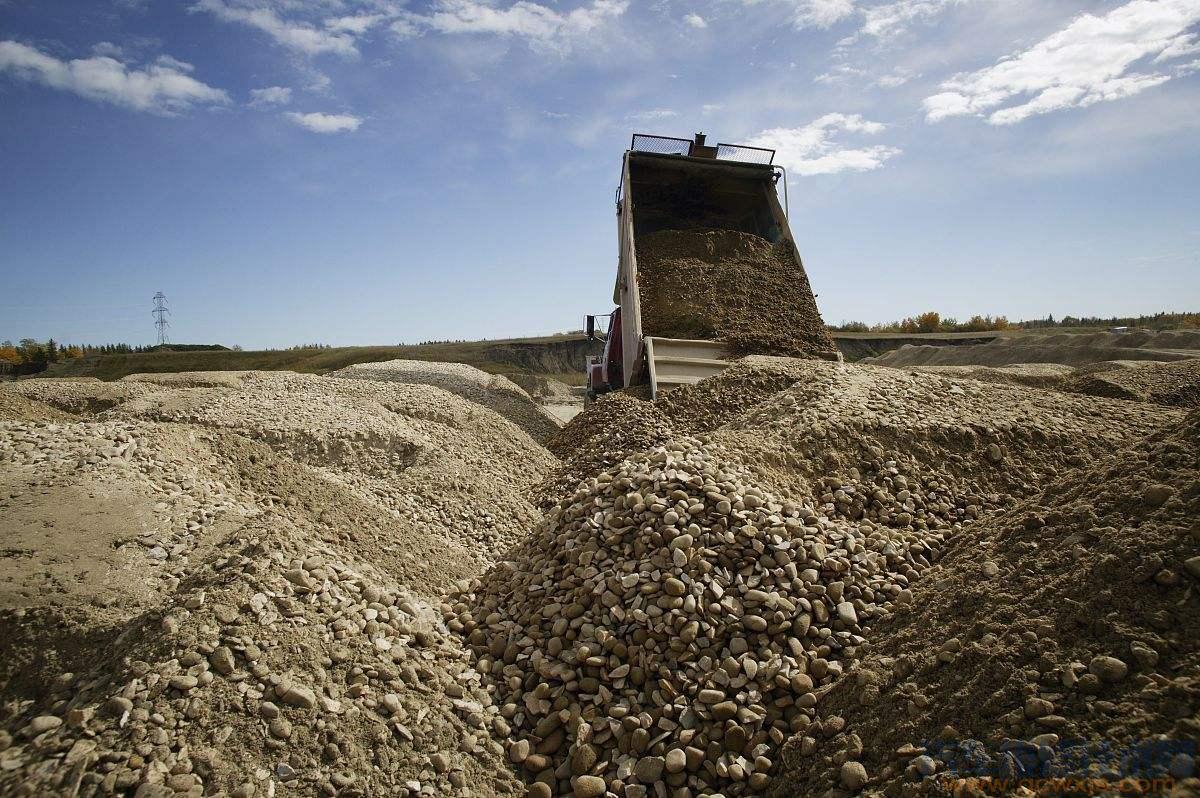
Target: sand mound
{"x":186,"y":611}
{"x":16,"y":407}
{"x":87,"y":397}
{"x":1057,"y":640}
{"x":729,"y":286}
{"x":192,"y":379}
{"x":1176,"y":384}
{"x":1074,"y":349}
{"x":426,"y":455}
{"x":492,"y":391}
{"x":1050,"y":376}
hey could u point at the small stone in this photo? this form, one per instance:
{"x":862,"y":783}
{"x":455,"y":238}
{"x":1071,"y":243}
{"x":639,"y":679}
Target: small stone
{"x":1158,"y":495}
{"x":846,"y":613}
{"x":589,"y":787}
{"x":854,"y":776}
{"x":1108,"y":669}
{"x":724,"y":710}
{"x":990,"y":569}
{"x":649,"y":769}
{"x":440,"y":762}
{"x":1037,"y":707}
{"x":583,"y":759}
{"x":42,"y":724}
{"x":674,"y":587}
{"x":222,"y":660}
{"x":675,"y":760}
{"x":539,"y":789}
{"x":280,"y":727}
{"x":1192,"y":566}
{"x":117,"y":706}
{"x":925,"y":765}
{"x":296,"y":696}
{"x":183,"y":683}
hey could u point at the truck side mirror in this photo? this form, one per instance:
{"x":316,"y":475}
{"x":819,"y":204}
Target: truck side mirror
{"x":591,"y":328}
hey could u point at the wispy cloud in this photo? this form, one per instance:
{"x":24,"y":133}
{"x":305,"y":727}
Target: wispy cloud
{"x":651,"y":114}
{"x":295,"y":35}
{"x":812,"y":150}
{"x":325,"y":123}
{"x":542,"y":26}
{"x":1089,"y":61}
{"x":696,"y":21}
{"x":164,"y":86}
{"x":271,"y":95}
{"x":890,"y":19}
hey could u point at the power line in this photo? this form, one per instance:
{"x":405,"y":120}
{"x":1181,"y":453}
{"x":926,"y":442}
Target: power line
{"x":160,"y":313}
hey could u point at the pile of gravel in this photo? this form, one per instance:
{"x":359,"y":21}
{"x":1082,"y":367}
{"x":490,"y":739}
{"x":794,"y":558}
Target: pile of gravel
{"x":1056,"y":641}
{"x":732,"y":287}
{"x":492,"y":391}
{"x":1176,"y":384}
{"x":244,"y":625}
{"x":1051,"y":376}
{"x":672,"y":620}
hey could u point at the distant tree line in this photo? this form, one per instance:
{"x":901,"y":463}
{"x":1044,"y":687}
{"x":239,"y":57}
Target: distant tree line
{"x":932,"y":322}
{"x":29,"y":356}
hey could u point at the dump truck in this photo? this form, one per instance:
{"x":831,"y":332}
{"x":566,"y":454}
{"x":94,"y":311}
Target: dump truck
{"x":686,"y":185}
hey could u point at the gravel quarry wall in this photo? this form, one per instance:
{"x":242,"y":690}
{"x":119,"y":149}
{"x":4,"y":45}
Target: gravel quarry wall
{"x":797,"y":578}
{"x":1072,"y":349}
{"x":729,"y":286}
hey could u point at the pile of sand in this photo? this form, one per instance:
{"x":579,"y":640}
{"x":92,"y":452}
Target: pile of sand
{"x":1057,"y":640}
{"x":492,"y":391}
{"x":1050,"y":376}
{"x":1176,"y":384}
{"x":235,"y":589}
{"x":729,"y":286}
{"x":14,"y":407}
{"x":1073,"y":349}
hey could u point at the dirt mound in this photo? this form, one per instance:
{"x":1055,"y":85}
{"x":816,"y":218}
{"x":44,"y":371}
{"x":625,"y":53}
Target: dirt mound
{"x":1176,"y":384}
{"x":1073,"y":349}
{"x":427,"y":455}
{"x":192,"y":379}
{"x":1050,"y":376}
{"x":492,"y":391}
{"x":729,"y":286}
{"x":1057,"y":640}
{"x":186,"y":611}
{"x":16,"y":407}
{"x":87,"y":397}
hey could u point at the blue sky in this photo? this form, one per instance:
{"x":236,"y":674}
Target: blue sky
{"x":376,"y":171}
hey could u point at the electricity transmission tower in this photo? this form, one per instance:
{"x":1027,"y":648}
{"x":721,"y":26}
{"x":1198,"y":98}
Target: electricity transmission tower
{"x":160,"y":313}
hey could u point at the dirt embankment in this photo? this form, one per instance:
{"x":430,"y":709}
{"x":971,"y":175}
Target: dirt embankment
{"x":1073,"y":349}
{"x":732,"y":287}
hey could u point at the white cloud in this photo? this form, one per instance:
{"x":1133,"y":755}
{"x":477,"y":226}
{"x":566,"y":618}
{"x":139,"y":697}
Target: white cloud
{"x":108,"y":49}
{"x":890,"y":19}
{"x":811,"y":150}
{"x":294,"y":35}
{"x":325,"y":123}
{"x":821,"y":13}
{"x":652,"y":114}
{"x":271,"y":95}
{"x":161,"y":87}
{"x":1087,"y":62}
{"x":541,"y":25}
{"x":357,"y":25}
{"x":695,"y":20}
{"x":711,"y":108}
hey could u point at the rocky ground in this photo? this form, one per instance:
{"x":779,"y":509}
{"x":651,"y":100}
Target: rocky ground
{"x":797,"y":578}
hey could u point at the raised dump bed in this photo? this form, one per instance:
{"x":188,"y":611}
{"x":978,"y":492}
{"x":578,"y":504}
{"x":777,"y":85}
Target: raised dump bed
{"x":708,"y":269}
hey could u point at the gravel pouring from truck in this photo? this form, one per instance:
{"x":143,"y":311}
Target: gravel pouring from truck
{"x":707,"y":269}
